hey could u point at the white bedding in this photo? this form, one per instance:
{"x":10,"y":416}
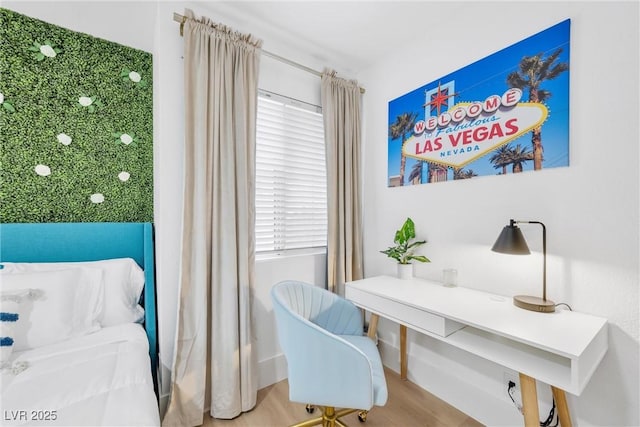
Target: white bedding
{"x":99,"y":379}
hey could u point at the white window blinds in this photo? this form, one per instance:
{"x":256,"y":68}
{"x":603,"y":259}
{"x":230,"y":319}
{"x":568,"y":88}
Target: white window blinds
{"x":291,"y":184}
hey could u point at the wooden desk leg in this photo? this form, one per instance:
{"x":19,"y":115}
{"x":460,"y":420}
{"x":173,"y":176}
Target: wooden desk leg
{"x":563,"y":408}
{"x":373,"y":326}
{"x":529,"y":401}
{"x":403,"y":352}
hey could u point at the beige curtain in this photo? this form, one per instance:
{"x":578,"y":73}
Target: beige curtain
{"x":341,"y":111}
{"x":214,"y":360}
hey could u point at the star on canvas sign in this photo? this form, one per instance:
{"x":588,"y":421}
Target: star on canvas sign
{"x":506,"y":113}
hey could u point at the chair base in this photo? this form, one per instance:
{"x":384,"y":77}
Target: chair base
{"x":330,"y":418}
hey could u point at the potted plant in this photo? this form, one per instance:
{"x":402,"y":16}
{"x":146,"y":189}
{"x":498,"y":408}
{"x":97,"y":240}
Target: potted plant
{"x":404,"y":248}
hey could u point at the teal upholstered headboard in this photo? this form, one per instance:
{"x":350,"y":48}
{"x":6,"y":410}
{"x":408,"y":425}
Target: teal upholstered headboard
{"x":89,"y":241}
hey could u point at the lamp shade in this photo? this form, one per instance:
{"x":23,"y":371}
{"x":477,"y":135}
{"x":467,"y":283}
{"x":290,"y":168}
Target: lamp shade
{"x":511,"y":241}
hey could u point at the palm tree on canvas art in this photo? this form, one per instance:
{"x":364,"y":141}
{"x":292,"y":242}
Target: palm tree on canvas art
{"x":401,"y":128}
{"x":463,"y":173}
{"x":518,"y":156}
{"x":501,"y":158}
{"x":533,"y":71}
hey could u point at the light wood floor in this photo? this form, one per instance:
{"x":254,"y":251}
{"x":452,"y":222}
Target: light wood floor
{"x":408,"y":406}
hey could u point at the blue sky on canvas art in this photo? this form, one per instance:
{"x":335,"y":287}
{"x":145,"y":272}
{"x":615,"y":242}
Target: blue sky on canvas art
{"x":488,"y":76}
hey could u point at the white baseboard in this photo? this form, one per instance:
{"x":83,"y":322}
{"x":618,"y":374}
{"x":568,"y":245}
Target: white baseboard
{"x":272,"y":370}
{"x":164,"y":381}
{"x":163,"y":401}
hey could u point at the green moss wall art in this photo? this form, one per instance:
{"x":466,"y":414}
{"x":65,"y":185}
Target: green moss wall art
{"x":76,"y":126}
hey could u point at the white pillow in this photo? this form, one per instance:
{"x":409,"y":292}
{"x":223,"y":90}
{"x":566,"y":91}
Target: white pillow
{"x":123,"y":283}
{"x":63,"y":304}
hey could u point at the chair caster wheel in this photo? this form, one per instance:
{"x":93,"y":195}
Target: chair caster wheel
{"x":362,"y":416}
{"x":310,"y":408}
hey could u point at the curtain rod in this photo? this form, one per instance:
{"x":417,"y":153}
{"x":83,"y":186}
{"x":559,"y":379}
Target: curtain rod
{"x":181,"y":19}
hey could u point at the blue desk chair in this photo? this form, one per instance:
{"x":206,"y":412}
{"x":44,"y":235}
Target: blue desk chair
{"x":330,"y":362}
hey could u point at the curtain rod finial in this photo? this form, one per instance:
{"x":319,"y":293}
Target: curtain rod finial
{"x":181,"y":19}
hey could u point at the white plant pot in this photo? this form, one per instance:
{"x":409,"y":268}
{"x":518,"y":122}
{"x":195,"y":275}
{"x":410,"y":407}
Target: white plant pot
{"x":405,"y":271}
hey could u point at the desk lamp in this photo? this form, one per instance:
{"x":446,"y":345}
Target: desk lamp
{"x":511,"y":241}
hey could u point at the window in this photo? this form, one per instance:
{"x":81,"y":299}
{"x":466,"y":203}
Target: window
{"x":291,"y":183}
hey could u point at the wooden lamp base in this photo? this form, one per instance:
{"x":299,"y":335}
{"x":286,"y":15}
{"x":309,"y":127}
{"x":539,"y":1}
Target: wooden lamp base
{"x":534,"y":303}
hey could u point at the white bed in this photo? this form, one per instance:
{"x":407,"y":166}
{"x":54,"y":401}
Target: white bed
{"x":78,"y":341}
{"x":84,"y":381}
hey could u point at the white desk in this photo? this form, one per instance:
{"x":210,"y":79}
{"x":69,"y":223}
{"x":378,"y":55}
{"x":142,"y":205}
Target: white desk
{"x":562,"y":349}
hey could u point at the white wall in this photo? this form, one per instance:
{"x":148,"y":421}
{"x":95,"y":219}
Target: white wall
{"x":590,"y":208}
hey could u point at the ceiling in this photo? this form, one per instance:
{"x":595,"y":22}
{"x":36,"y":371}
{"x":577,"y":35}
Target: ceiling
{"x":353,"y":33}
{"x":349,"y":36}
